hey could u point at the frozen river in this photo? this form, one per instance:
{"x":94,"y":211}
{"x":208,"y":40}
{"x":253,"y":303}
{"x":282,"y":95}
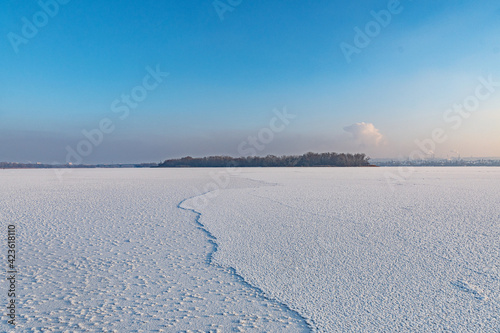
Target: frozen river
{"x":278,"y":250}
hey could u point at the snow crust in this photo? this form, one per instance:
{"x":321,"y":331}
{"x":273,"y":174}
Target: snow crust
{"x":350,"y":255}
{"x":272,"y":250}
{"x":110,"y":251}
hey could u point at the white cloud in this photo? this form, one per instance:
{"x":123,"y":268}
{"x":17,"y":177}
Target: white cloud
{"x":365,"y":134}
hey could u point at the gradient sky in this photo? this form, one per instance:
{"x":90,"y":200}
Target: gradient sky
{"x":226,"y":76}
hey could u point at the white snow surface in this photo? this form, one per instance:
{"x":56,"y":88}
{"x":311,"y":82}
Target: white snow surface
{"x":350,"y":254}
{"x":263,"y":249}
{"x":108,"y":250}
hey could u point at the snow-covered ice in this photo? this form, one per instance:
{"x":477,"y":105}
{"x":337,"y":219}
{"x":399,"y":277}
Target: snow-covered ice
{"x":348,"y":254}
{"x":277,"y":250}
{"x":109,"y":250}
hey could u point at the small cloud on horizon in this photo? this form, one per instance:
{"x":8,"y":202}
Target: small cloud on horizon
{"x":365,"y":134}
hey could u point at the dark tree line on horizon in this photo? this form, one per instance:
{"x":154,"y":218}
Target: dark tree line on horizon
{"x":306,"y":160}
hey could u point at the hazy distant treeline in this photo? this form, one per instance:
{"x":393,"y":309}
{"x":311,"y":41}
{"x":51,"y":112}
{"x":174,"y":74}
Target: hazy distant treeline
{"x":306,"y":160}
{"x":13,"y":165}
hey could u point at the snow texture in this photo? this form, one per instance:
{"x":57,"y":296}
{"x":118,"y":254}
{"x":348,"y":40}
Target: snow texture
{"x":110,"y":251}
{"x":275,"y":250}
{"x":350,"y":255}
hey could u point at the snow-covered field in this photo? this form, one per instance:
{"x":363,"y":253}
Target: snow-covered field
{"x":275,"y":250}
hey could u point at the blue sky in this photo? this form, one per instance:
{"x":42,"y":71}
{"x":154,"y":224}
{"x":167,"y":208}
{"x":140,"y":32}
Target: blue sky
{"x":226,"y":76}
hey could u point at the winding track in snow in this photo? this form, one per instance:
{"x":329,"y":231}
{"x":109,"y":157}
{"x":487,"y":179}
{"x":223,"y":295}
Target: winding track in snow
{"x":110,"y":251}
{"x":213,"y":241}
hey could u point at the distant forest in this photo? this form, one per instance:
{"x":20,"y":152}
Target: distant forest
{"x":306,"y":160}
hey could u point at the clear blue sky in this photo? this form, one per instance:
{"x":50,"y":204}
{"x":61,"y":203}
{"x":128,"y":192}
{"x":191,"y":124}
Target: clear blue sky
{"x":226,"y":76}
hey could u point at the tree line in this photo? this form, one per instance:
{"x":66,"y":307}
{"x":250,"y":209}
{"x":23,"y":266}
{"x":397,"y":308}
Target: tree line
{"x":307,"y":160}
